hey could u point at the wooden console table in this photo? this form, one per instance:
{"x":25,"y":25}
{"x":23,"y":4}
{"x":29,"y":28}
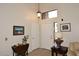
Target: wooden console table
{"x":20,"y":49}
{"x":61,"y":50}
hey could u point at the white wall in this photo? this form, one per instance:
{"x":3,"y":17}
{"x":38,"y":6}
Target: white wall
{"x":25,"y":15}
{"x":70,"y":14}
{"x":20,"y":15}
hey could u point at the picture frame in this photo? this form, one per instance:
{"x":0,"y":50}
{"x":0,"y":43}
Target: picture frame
{"x":65,"y":27}
{"x":18,"y":30}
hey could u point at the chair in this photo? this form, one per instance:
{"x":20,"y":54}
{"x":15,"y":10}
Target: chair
{"x":73,"y":49}
{"x":20,"y":49}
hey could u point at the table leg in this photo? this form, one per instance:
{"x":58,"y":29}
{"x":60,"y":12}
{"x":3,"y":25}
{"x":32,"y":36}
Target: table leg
{"x":13,"y":53}
{"x":56,"y":54}
{"x":52,"y":52}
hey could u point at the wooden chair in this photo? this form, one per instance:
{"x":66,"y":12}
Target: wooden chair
{"x":20,"y":50}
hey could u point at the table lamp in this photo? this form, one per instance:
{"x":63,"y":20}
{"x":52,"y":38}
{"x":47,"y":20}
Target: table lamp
{"x":58,"y":39}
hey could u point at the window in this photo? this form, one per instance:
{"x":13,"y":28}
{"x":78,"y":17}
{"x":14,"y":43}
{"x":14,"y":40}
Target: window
{"x":56,"y":27}
{"x":49,"y":14}
{"x":52,"y":14}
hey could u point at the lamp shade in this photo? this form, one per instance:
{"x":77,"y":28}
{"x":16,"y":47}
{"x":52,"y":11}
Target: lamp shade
{"x":58,"y":35}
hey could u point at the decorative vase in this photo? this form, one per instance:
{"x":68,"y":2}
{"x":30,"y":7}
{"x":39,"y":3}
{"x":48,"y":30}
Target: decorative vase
{"x":58,"y":42}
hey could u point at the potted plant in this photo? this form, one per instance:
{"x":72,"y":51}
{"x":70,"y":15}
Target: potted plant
{"x":24,"y":40}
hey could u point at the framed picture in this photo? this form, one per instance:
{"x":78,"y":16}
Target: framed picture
{"x":65,"y":27}
{"x":18,"y":30}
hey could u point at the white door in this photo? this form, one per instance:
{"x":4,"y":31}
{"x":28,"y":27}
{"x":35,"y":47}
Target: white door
{"x":47,"y":34}
{"x":34,"y":35}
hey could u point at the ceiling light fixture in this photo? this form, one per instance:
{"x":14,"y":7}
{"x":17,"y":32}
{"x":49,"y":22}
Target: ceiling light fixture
{"x":38,"y":12}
